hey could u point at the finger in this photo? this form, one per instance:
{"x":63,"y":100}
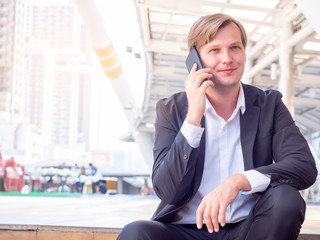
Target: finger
{"x":191,"y":76}
{"x":194,"y":68}
{"x":204,"y":70}
{"x":191,"y":80}
{"x":214,"y":217}
{"x":207,"y":219}
{"x":201,"y":78}
{"x":199,"y":216}
{"x":207,"y":83}
{"x":222,"y":215}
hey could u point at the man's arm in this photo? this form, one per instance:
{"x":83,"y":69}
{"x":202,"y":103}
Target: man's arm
{"x":175,"y":160}
{"x":293,"y":165}
{"x":293,"y":161}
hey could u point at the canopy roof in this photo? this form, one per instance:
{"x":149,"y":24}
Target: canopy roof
{"x":166,"y":23}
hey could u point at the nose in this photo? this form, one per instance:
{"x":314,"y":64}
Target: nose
{"x":226,"y":57}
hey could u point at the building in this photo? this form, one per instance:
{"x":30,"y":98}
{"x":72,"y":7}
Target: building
{"x":12,"y":45}
{"x":59,"y":70}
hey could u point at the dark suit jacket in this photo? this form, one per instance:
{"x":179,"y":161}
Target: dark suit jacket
{"x":271,"y":143}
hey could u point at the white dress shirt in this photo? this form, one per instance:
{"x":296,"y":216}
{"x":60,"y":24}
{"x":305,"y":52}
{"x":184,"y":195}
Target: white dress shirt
{"x":223,"y":158}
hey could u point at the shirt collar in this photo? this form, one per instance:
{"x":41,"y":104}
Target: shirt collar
{"x":240,"y":102}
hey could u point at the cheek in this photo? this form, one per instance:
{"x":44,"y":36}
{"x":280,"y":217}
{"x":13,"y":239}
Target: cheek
{"x":209,"y":62}
{"x":205,"y":62}
{"x":241,"y":59}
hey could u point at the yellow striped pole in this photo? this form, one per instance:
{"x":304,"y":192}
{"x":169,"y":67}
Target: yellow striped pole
{"x":112,"y":68}
{"x":106,"y":54}
{"x":109,"y":61}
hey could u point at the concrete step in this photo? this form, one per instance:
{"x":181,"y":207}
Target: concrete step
{"x":308,"y":236}
{"x":32,"y":232}
{"x":92,"y":217}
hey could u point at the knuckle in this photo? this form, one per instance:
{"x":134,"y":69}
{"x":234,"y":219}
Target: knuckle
{"x":213,"y":215}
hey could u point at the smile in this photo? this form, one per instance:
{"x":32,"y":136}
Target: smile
{"x":227,"y":71}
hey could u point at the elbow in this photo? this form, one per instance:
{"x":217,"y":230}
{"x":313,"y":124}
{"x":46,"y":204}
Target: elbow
{"x":164,"y":196}
{"x":167,"y":191}
{"x":164,"y":192}
{"x":312,"y":174}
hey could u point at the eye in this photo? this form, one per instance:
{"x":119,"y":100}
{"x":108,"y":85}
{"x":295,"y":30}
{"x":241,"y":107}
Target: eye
{"x":235,"y":47}
{"x":214,"y":50}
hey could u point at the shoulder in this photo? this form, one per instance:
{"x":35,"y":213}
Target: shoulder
{"x":176,"y":102}
{"x":177,"y":98}
{"x":257,"y":96}
{"x":270,"y":105}
{"x":173,"y":108}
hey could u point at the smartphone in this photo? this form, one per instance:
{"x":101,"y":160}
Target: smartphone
{"x":193,"y":58}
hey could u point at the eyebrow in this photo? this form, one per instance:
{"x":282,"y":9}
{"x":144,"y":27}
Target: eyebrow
{"x":217,"y":45}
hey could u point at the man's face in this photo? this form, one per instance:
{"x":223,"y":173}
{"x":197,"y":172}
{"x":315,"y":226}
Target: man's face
{"x":225,"y":56}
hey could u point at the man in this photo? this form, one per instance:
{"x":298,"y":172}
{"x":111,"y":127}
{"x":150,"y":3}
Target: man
{"x":229,"y":159}
{"x":95,"y":180}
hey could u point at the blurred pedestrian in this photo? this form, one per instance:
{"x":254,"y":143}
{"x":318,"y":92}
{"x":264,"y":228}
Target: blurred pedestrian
{"x":95,"y":177}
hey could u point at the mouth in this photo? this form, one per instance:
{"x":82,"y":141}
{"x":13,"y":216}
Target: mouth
{"x":227,"y":70}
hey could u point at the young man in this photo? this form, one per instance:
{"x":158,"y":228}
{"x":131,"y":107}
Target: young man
{"x":229,"y":159}
{"x":95,"y":182}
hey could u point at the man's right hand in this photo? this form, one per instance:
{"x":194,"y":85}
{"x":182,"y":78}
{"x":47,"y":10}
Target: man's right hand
{"x":196,"y":92}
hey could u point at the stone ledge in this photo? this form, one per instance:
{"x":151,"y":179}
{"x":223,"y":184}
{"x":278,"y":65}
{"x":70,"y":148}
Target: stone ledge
{"x":308,"y":236}
{"x":37,"y":232}
{"x":44,"y":232}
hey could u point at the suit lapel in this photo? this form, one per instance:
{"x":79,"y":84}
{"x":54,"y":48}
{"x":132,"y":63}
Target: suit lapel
{"x":248,"y":128}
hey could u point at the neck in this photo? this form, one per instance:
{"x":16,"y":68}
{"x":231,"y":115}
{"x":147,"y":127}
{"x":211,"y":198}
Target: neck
{"x":224,"y":101}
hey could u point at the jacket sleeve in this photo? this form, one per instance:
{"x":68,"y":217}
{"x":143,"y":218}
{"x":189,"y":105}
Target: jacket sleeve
{"x":293,"y":161}
{"x":174,"y":159}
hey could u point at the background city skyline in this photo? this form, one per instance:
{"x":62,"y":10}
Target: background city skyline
{"x":57,"y":103}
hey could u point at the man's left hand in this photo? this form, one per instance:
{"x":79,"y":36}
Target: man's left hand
{"x":214,"y":205}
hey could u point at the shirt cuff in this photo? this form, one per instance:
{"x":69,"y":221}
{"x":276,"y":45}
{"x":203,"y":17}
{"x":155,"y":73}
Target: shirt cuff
{"x":192,"y":133}
{"x":258,"y":181}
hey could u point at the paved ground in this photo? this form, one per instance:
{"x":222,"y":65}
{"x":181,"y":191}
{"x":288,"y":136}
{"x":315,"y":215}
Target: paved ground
{"x":87,"y":211}
{"x":98,"y":211}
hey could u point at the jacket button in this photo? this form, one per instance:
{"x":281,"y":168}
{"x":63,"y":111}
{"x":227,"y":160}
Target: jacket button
{"x":285,"y":181}
{"x":185,"y":156}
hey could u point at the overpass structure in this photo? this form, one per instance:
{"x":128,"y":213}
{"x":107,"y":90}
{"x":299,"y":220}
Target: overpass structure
{"x":283,"y":53}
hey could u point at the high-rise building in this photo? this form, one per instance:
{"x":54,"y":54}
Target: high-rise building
{"x":58,"y":86}
{"x":12,"y":42}
{"x":39,"y":80}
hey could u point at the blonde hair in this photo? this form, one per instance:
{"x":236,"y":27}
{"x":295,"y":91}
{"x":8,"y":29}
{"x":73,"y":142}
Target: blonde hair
{"x":205,"y":29}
